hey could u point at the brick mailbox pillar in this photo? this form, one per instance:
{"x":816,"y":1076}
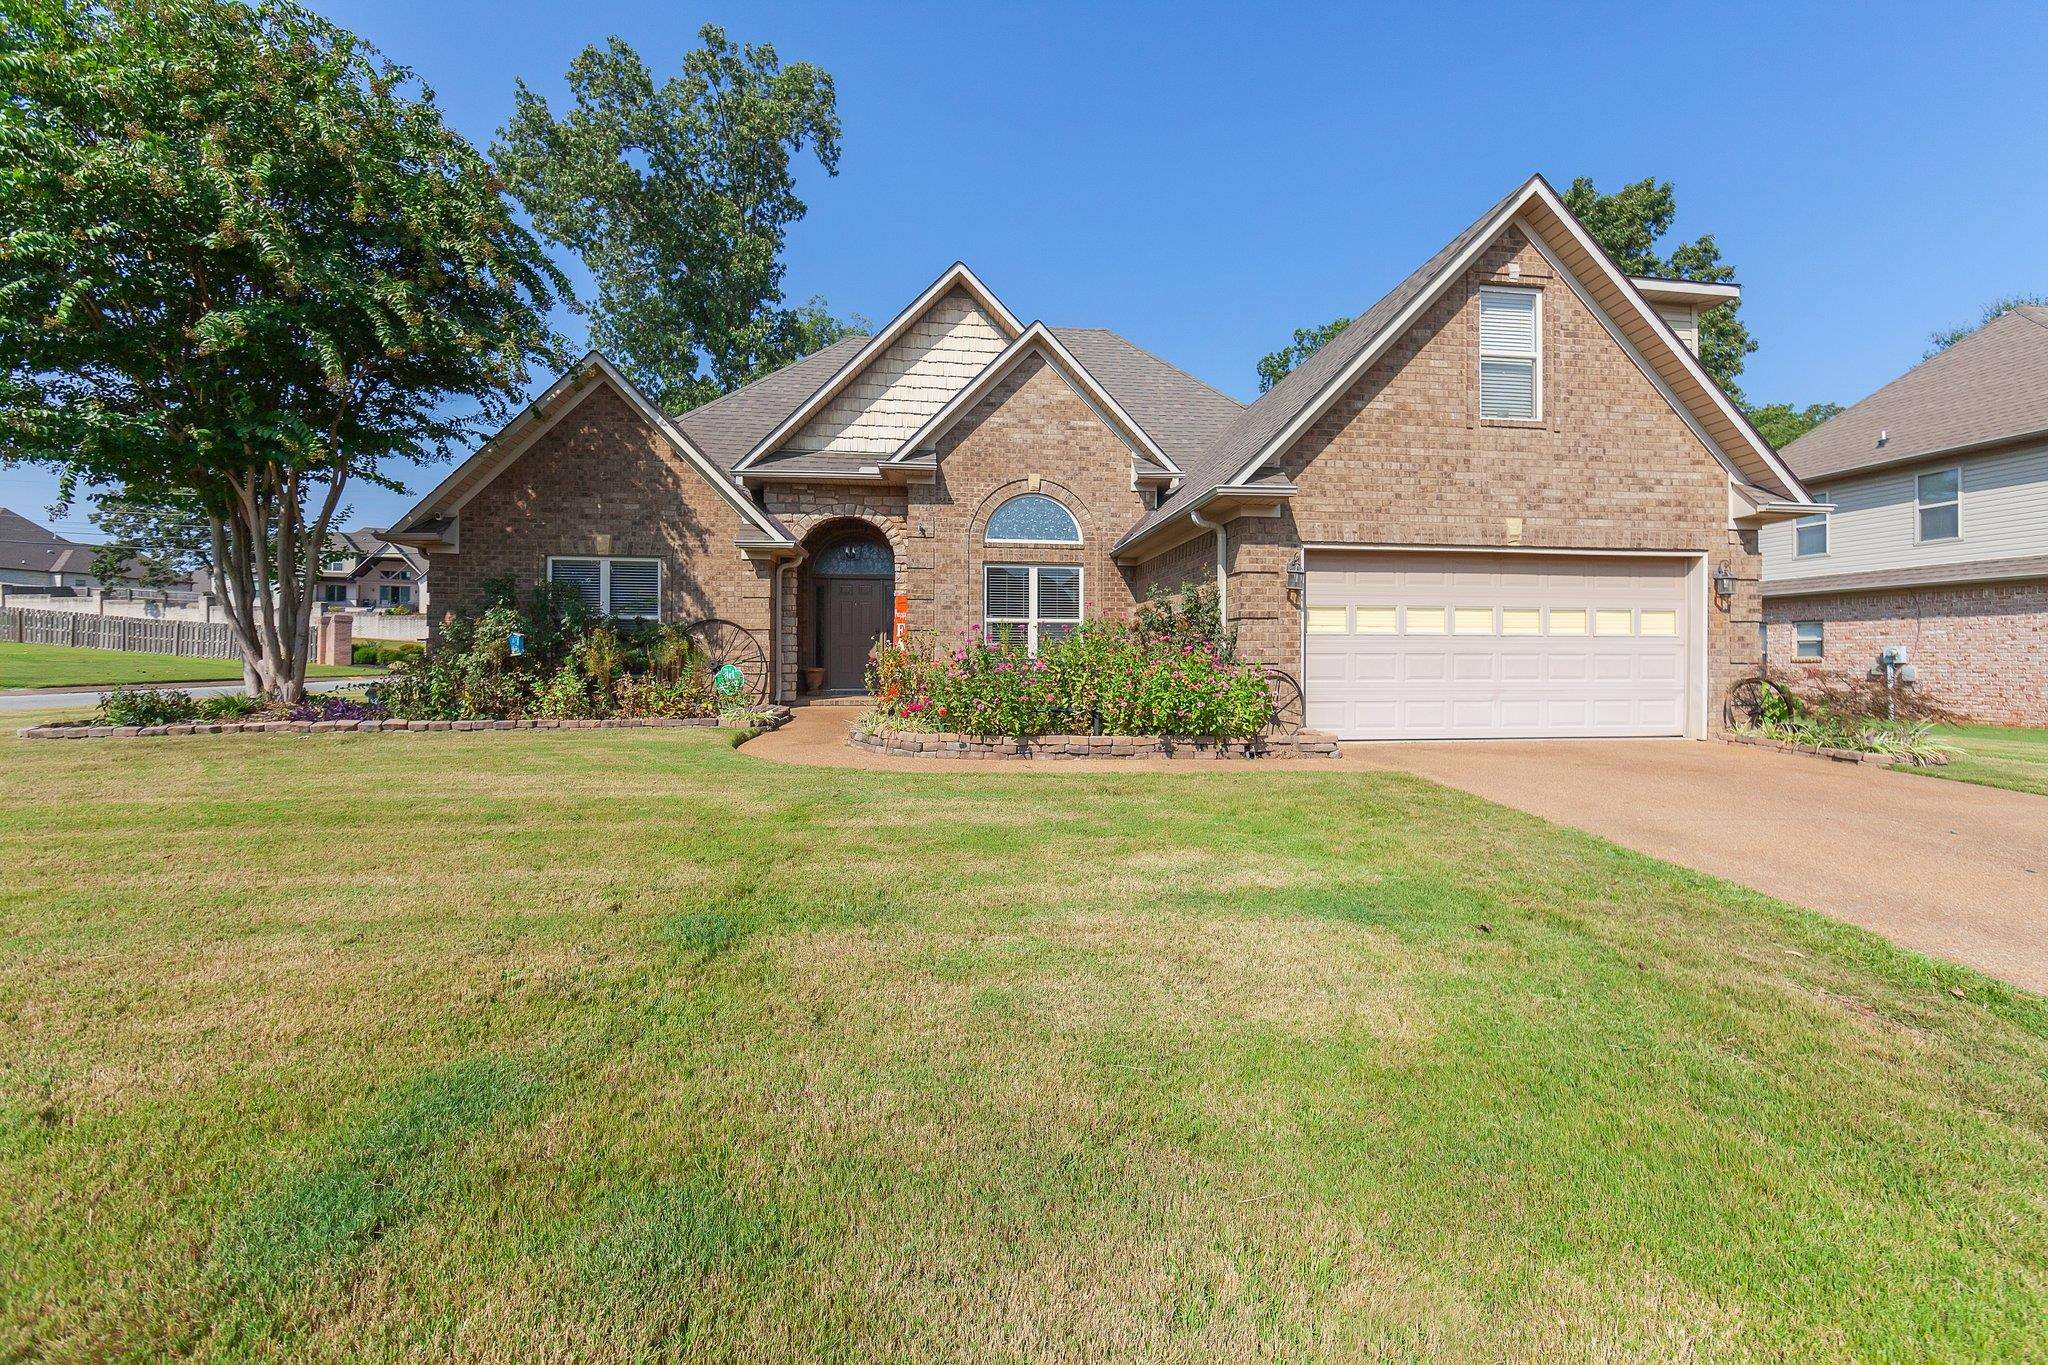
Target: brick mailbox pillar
{"x":334,"y":638}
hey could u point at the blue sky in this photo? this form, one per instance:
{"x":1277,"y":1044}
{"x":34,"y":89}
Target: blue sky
{"x":1206,"y":178}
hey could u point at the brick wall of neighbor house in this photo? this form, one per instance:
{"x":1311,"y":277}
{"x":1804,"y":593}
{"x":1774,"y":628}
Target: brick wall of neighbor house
{"x":1981,"y":649}
{"x":603,"y":470}
{"x":1403,"y":459}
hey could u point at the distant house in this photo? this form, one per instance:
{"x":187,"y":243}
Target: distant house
{"x":364,"y":570}
{"x":1935,"y":538}
{"x":34,"y":557}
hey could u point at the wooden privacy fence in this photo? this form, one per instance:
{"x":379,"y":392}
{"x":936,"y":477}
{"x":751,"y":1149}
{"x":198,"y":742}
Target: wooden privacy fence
{"x":193,"y":639}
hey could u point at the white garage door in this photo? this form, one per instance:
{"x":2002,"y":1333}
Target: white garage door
{"x":1445,"y":645}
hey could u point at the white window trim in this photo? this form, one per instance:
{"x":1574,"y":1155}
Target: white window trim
{"x":1919,"y":506}
{"x":1007,"y":540}
{"x":1536,"y":356}
{"x":1032,"y":620}
{"x":1827,"y":533}
{"x":1820,"y":641}
{"x":604,"y":579}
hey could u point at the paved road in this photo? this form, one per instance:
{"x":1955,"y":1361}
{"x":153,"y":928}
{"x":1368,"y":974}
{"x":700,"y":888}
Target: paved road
{"x":50,"y":698}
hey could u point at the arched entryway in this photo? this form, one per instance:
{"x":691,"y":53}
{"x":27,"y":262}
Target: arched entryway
{"x":847,"y":601}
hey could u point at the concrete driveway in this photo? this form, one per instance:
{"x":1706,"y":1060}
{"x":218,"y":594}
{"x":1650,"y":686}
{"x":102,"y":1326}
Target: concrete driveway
{"x":1944,"y":868}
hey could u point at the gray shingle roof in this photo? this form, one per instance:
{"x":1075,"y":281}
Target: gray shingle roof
{"x":1990,"y":386}
{"x":1919,"y":575}
{"x":727,"y":428}
{"x":26,"y":545}
{"x":1181,"y":414}
{"x":1263,"y":420}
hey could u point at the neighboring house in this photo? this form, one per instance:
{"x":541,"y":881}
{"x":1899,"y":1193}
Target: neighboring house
{"x":362,"y":569}
{"x":33,"y":557}
{"x":1507,"y":500}
{"x":1937,"y":538}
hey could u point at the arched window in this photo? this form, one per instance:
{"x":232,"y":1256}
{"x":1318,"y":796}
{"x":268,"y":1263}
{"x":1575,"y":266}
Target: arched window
{"x":1033,"y":519}
{"x":855,"y":555}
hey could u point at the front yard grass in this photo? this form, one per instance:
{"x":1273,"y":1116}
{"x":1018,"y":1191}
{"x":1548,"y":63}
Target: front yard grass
{"x":1995,"y":756}
{"x":63,"y":666}
{"x":617,"y":1043}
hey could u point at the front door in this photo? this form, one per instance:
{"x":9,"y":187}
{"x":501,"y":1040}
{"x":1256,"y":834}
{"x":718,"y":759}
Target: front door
{"x":852,"y":614}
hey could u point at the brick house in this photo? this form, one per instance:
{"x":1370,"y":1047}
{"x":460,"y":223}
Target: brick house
{"x":1506,"y":500}
{"x":1932,"y":541}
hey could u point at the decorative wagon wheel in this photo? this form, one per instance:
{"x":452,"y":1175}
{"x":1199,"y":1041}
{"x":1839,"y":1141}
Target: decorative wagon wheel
{"x":1288,"y":708}
{"x":723,"y":645}
{"x":1744,"y":704}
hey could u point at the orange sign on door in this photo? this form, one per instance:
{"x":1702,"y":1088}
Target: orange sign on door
{"x":900,"y":625}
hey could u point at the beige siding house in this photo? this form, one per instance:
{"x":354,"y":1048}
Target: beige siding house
{"x":1934,"y":544}
{"x":1506,"y":500}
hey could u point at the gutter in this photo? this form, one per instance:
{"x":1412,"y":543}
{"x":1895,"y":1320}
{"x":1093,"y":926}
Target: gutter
{"x":1222,"y":572}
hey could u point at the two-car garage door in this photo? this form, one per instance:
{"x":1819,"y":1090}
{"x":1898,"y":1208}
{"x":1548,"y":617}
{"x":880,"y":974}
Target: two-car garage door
{"x":1448,"y":645}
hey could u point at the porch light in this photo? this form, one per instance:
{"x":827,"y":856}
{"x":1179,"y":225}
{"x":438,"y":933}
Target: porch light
{"x":1297,"y":578}
{"x":1724,"y":583}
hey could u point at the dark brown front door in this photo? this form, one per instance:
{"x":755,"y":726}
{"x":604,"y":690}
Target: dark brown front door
{"x":852,"y":614}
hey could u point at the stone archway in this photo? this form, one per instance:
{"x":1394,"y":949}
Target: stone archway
{"x":846,"y":592}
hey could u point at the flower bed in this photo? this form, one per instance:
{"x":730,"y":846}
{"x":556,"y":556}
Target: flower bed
{"x":940,"y":744}
{"x":1844,"y":725}
{"x":1839,"y":755}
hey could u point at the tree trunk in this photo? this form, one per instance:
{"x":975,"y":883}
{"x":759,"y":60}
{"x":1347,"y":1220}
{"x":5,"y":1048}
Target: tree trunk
{"x":265,"y":561}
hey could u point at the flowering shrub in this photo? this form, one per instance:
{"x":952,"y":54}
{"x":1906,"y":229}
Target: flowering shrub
{"x":335,"y":708}
{"x":1102,"y":679}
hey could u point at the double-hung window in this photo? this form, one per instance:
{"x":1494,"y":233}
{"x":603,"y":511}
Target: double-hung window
{"x":1809,"y":640}
{"x":1031,"y":604}
{"x":1510,"y":368}
{"x":629,"y":588}
{"x":1810,"y":534}
{"x":1940,"y":497}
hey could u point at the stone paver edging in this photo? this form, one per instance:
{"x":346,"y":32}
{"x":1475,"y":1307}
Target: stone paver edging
{"x":930,"y":744}
{"x":1838,"y":755}
{"x":776,"y":716}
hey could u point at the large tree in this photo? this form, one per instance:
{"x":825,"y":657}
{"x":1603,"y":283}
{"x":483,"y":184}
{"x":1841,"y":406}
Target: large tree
{"x":243,"y":263}
{"x":1629,"y":224}
{"x":678,"y":197}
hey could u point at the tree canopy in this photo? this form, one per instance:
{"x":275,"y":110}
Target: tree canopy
{"x":1940,"y":341}
{"x":678,"y":197}
{"x":1630,"y":224}
{"x":1781,"y":424}
{"x":1277,"y":365}
{"x":243,"y":261}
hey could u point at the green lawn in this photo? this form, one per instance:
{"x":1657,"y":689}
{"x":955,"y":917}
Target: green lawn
{"x":626,"y":1043}
{"x":1996,"y":756}
{"x":63,"y":666}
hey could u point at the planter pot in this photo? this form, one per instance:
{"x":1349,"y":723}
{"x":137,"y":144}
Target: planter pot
{"x":814,"y":679}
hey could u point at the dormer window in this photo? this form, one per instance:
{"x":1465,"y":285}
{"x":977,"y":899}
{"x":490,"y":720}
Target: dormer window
{"x":1510,"y":370}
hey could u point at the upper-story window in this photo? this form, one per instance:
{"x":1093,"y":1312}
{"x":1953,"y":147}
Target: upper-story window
{"x":1510,"y":368}
{"x":1033,"y":519}
{"x":1810,"y":534}
{"x":1940,"y":497}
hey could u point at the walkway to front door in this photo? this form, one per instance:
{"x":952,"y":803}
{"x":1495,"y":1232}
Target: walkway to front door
{"x":852,"y":577}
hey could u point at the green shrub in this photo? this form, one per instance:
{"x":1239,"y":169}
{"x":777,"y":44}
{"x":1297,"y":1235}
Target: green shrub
{"x":571,"y":664}
{"x":363,"y":653}
{"x":147,"y":706}
{"x":227,"y":706}
{"x":393,"y":652}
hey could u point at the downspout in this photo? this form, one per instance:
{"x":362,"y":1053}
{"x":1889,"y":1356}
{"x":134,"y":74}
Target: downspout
{"x":1222,"y":571}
